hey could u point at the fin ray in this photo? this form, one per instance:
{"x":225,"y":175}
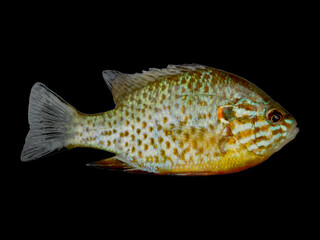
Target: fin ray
{"x":114,"y":163}
{"x":48,"y":116}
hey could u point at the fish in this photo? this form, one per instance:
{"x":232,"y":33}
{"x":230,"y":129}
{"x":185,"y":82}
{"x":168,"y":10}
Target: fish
{"x":181,"y":120}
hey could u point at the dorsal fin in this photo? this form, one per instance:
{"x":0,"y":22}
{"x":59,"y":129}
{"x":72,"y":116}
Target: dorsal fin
{"x":121,"y":84}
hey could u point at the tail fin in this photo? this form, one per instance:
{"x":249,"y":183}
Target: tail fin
{"x":49,"y":117}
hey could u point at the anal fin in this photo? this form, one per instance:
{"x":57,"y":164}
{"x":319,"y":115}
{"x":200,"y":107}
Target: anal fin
{"x":115,"y":164}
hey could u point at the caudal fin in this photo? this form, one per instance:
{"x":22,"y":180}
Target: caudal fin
{"x":49,"y":117}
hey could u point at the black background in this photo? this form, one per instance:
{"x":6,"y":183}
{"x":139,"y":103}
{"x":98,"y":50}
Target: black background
{"x":67,"y":49}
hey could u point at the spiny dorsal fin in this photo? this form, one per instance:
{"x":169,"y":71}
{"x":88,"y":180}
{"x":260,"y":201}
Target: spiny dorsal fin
{"x":121,"y":84}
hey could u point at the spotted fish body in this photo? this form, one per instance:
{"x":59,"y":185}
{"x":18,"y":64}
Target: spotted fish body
{"x":187,"y":119}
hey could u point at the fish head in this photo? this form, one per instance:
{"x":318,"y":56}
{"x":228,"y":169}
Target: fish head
{"x":274,"y":129}
{"x":262,"y":127}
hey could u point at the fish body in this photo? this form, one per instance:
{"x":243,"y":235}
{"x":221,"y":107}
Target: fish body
{"x":187,"y":119}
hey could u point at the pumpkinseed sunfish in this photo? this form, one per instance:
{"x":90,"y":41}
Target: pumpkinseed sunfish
{"x":186,"y":120}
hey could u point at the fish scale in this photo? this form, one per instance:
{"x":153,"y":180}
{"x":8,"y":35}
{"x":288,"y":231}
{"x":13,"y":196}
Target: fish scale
{"x":166,"y":149}
{"x":187,"y":119}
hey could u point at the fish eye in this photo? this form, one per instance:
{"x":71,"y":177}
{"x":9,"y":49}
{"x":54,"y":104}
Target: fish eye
{"x":274,"y":116}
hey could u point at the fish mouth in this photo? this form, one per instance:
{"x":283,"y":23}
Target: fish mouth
{"x":293,"y":132}
{"x":291,"y":135}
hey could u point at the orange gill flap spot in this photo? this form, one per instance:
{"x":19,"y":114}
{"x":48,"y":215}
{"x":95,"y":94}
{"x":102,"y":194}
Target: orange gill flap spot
{"x":225,"y":113}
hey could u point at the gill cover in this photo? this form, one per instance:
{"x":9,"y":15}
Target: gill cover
{"x":240,"y":120}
